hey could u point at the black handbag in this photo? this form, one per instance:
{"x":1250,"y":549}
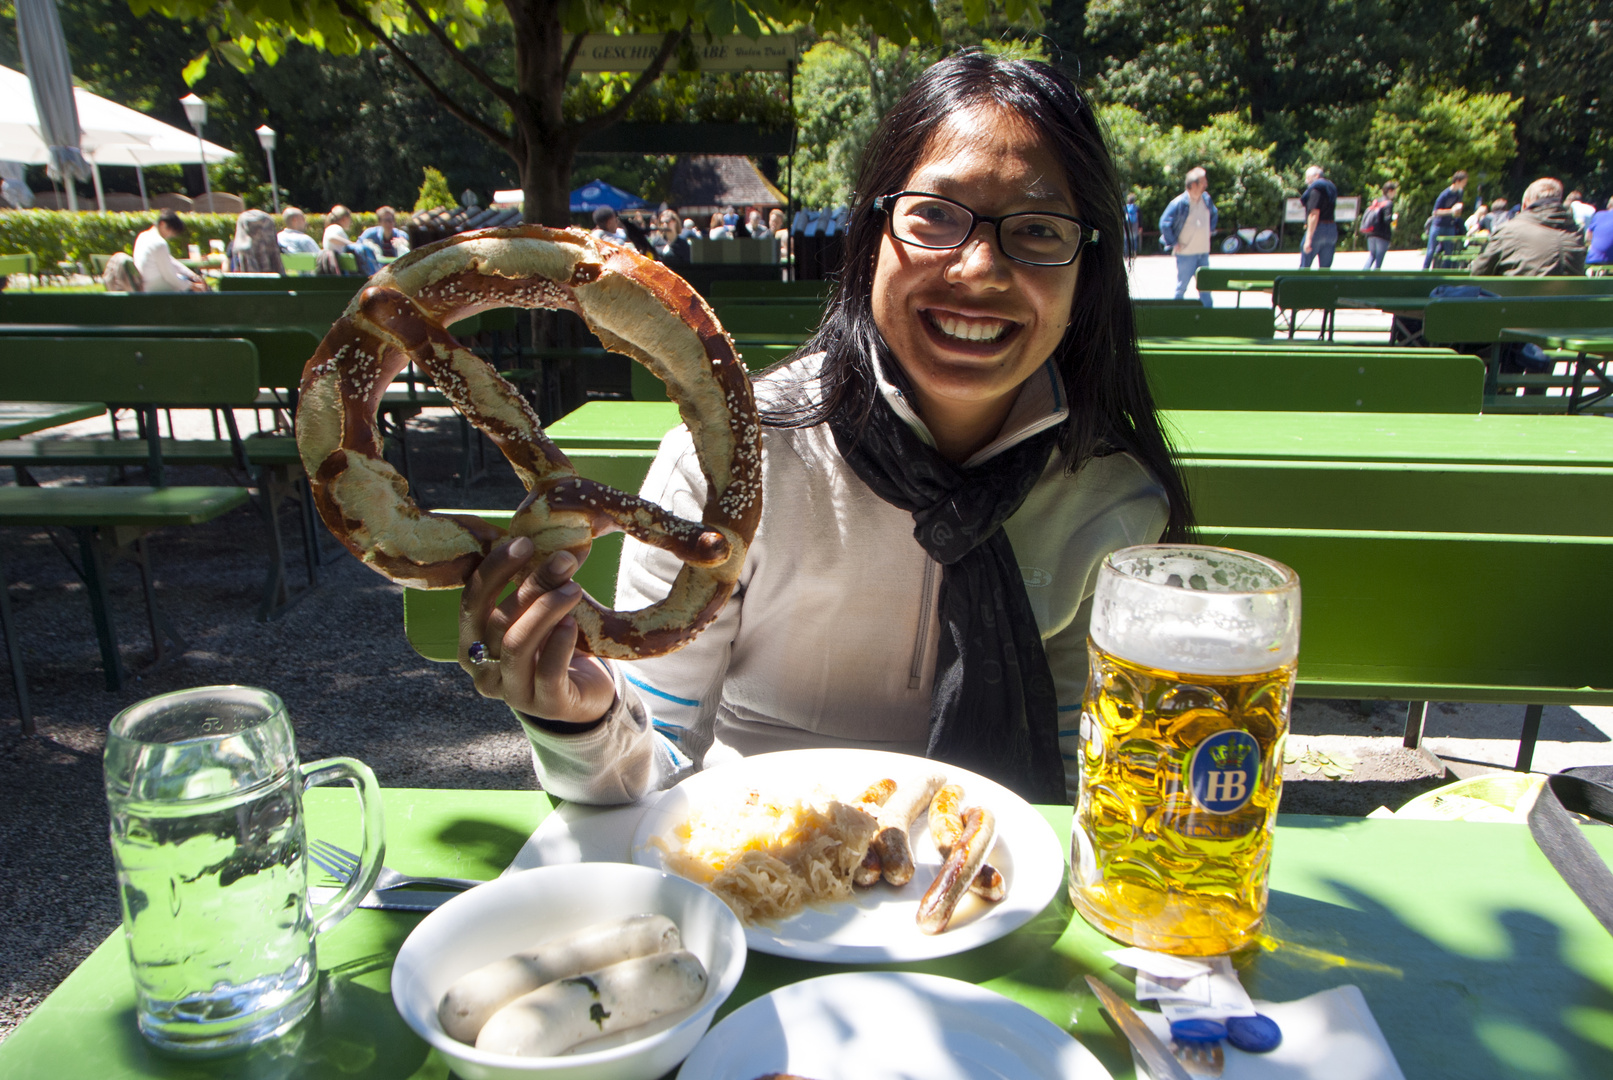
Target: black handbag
{"x":1587,"y":791}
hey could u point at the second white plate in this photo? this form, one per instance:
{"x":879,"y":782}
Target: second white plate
{"x":889,"y":1025}
{"x":879,"y":924}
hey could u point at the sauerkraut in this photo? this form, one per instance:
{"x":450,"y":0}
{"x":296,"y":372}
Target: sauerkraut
{"x":768,"y":859}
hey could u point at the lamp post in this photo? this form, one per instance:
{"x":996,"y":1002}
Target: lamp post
{"x":266,"y":140}
{"x":196,"y":113}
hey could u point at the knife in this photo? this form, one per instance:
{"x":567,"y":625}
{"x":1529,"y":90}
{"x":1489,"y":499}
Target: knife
{"x":392,"y":899}
{"x":1162,"y":1064}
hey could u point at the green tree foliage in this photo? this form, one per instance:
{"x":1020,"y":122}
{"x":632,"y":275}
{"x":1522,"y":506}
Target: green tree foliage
{"x":354,"y":129}
{"x":1246,"y":187}
{"x":513,"y":59}
{"x":434,"y":191}
{"x":1320,"y":77}
{"x":1419,"y":137}
{"x":847,"y":81}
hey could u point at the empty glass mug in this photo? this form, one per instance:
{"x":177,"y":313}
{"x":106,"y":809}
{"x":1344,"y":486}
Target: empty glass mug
{"x":1193,"y":652}
{"x":211,"y":855}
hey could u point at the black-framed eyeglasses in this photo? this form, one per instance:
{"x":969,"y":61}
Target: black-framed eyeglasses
{"x":1036,"y":238}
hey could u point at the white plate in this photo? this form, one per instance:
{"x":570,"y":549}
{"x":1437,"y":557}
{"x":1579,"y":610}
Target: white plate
{"x":889,"y":1025}
{"x":880,"y":923}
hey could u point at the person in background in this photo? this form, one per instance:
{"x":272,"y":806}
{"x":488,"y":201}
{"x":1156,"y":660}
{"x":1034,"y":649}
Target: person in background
{"x":256,"y":249}
{"x":1541,"y":241}
{"x":778,"y":227}
{"x":1185,"y":229}
{"x":338,"y":241}
{"x":1321,"y":199}
{"x":1493,"y":217}
{"x":730,"y":218}
{"x":608,"y":226}
{"x":689,"y":231}
{"x":719,"y":228}
{"x":1599,"y":233}
{"x":1447,"y":215}
{"x":158,"y":269}
{"x":1577,"y":206}
{"x":754,"y":227}
{"x":294,"y":238}
{"x":1134,"y":226}
{"x":384,"y":236}
{"x":1378,"y":225}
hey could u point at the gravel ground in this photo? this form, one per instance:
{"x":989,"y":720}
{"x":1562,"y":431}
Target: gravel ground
{"x":353,"y":687}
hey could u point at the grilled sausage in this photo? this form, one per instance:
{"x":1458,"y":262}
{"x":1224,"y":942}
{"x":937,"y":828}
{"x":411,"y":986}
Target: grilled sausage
{"x":946,"y":822}
{"x":968,"y":855}
{"x":868,"y":871}
{"x":895,"y":817}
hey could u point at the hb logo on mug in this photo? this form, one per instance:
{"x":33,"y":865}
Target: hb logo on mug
{"x":1224,"y":771}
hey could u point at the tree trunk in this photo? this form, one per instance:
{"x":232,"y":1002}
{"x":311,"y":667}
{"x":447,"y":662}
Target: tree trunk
{"x":544,"y":149}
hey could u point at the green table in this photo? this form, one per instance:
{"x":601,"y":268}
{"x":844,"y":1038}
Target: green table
{"x":19,"y":418}
{"x":1476,"y":959}
{"x":1592,"y":348}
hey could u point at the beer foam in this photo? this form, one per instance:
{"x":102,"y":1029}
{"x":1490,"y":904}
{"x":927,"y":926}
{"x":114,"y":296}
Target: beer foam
{"x":1197,"y":610}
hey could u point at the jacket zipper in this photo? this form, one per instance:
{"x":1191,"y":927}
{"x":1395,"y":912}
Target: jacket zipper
{"x":915,"y":671}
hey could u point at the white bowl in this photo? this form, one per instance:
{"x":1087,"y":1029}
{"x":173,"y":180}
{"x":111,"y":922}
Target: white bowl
{"x":502,"y":917}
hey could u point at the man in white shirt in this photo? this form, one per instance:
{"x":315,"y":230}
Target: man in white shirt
{"x":1185,"y":229}
{"x":294,"y":238}
{"x":159,"y":270}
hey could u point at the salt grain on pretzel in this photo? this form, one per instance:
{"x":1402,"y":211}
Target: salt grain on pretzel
{"x":636,"y":307}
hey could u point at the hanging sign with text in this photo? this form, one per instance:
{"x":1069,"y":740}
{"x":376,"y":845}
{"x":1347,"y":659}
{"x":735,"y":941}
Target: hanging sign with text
{"x":734,"y":52}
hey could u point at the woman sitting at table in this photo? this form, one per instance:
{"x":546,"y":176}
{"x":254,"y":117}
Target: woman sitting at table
{"x":947,"y":461}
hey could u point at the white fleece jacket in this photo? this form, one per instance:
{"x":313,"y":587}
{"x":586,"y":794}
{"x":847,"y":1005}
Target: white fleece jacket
{"x":831,"y":637}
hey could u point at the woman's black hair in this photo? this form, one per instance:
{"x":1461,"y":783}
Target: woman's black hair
{"x":1110,"y":404}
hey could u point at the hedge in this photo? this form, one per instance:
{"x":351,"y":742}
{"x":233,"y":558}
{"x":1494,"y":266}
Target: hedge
{"x":56,"y":236}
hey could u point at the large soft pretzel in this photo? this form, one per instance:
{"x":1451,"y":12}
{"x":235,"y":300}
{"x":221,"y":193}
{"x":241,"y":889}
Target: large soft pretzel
{"x":636,"y":307}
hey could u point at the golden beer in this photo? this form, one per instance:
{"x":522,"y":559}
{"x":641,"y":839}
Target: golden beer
{"x":1181,"y":748}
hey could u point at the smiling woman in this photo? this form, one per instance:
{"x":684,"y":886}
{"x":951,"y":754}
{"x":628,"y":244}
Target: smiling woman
{"x":946,"y":463}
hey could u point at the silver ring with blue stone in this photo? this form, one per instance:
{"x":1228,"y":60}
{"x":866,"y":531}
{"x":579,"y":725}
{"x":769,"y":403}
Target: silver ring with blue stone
{"x":478,"y":654}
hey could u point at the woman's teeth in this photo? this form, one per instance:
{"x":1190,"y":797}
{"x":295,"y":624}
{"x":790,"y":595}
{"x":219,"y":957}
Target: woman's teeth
{"x":971,"y":329}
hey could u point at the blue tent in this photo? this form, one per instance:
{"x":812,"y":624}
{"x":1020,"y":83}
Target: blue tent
{"x":596,"y":193}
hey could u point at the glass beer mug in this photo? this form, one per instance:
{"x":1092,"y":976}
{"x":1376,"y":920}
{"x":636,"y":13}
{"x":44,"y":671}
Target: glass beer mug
{"x":1192,"y":653}
{"x":211,"y":854}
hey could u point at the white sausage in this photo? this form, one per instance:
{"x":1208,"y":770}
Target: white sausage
{"x":554,"y":1018}
{"x":479,"y":994}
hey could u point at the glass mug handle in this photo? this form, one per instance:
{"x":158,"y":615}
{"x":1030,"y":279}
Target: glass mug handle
{"x":373,"y":849}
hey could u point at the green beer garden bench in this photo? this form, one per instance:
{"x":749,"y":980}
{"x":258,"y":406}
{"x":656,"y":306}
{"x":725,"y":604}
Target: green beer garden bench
{"x":1486,"y":321}
{"x":108,"y":521}
{"x":148,"y":374}
{"x":1426,"y":544}
{"x":1307,"y":292}
{"x":1200,"y":321}
{"x":724,"y":289}
{"x":1314,"y":380}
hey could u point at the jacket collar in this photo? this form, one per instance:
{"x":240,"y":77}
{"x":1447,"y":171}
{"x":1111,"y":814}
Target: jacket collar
{"x":1041,"y":404}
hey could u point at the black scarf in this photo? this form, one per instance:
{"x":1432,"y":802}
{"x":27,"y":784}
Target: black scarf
{"x":993,"y":708}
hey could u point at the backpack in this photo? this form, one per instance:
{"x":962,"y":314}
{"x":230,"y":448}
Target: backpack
{"x":1372,"y":220}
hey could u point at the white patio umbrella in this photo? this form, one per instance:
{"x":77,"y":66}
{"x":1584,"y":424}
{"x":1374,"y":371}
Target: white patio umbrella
{"x":113,"y":134}
{"x":44,"y":55}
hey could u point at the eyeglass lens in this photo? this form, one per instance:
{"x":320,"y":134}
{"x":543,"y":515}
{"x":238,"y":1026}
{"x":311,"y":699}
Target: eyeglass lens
{"x":932,"y":222}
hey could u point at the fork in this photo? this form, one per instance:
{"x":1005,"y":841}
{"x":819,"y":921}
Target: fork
{"x":1199,"y":1058}
{"x":342,"y":864}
